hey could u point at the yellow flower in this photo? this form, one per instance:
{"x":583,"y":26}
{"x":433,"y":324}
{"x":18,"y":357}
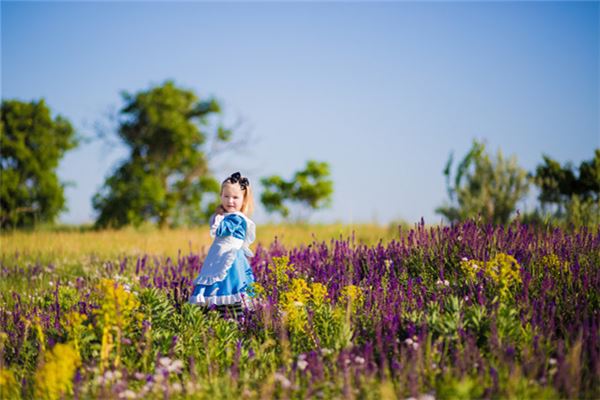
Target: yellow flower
{"x":293,"y":304}
{"x":8,"y":384}
{"x":318,"y":293}
{"x":118,"y":308}
{"x":117,"y":304}
{"x":74,"y":325}
{"x":503,"y":269}
{"x":54,"y":379}
{"x":352,"y":295}
{"x":257,"y":289}
{"x":282,"y":268}
{"x":554,"y":263}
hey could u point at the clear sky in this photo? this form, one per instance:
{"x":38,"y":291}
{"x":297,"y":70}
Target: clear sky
{"x":383,"y":92}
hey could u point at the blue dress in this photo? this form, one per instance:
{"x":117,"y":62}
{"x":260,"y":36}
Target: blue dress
{"x":225,"y":275}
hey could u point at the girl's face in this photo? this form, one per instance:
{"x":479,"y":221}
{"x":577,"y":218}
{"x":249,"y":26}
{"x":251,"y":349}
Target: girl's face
{"x":232,"y":197}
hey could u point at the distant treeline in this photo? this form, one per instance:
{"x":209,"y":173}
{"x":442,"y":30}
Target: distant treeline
{"x":172,"y":134}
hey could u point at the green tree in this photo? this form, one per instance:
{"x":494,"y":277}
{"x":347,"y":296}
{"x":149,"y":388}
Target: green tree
{"x":166,"y":179}
{"x":31,"y":147}
{"x":310,"y":188}
{"x":484,"y":187}
{"x":566,"y":195}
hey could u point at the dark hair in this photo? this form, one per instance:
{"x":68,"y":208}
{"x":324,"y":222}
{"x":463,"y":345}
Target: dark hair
{"x":236,"y":177}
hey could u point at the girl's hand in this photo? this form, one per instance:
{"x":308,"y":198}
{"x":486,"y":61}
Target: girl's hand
{"x":220,"y":210}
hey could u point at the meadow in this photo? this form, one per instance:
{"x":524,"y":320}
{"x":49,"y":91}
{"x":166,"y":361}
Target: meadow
{"x":424,"y":312}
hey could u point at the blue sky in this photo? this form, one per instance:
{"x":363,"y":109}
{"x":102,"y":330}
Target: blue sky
{"x":383,"y":92}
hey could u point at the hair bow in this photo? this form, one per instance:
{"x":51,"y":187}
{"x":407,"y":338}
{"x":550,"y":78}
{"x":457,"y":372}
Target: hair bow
{"x":236,"y":177}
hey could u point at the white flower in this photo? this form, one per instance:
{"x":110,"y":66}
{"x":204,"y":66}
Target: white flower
{"x":128,"y":394}
{"x":302,"y":364}
{"x":359,"y":360}
{"x":285,"y":382}
{"x":552,"y":361}
{"x":164,"y":361}
{"x":465,"y":259}
{"x":326,"y":351}
{"x":191,"y":387}
{"x":409,"y":341}
{"x":176,"y":366}
{"x":177,"y":388}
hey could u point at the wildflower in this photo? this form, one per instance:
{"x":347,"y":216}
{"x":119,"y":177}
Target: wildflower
{"x":285,"y":382}
{"x":55,"y":378}
{"x":293,"y":305}
{"x":257,"y":289}
{"x":108,"y":376}
{"x":353,"y":296}
{"x":503,"y":270}
{"x":359,"y":360}
{"x":176,"y":366}
{"x":326,"y":351}
{"x":139,"y":376}
{"x":176,"y":387}
{"x":318,"y":291}
{"x":8,"y":383}
{"x":282,"y":268}
{"x":164,"y":361}
{"x":127,"y":394}
{"x":412,"y":343}
{"x":302,"y":364}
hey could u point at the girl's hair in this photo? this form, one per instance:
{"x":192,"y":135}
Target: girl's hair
{"x":248,"y":203}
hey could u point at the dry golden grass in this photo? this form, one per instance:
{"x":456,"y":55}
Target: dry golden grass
{"x":111,"y":243}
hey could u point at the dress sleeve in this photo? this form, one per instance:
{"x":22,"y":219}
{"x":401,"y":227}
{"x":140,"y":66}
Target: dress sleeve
{"x":214,"y":222}
{"x":232,"y":225}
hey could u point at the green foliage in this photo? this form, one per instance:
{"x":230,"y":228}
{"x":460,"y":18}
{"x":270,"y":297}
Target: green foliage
{"x":310,"y":187}
{"x":31,"y":146}
{"x":484,"y":187}
{"x":166,"y":178}
{"x":568,"y":197}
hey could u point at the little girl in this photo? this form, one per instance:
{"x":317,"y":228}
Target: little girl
{"x":225,"y":276}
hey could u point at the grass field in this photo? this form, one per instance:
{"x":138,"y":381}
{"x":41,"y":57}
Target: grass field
{"x":461,"y":312}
